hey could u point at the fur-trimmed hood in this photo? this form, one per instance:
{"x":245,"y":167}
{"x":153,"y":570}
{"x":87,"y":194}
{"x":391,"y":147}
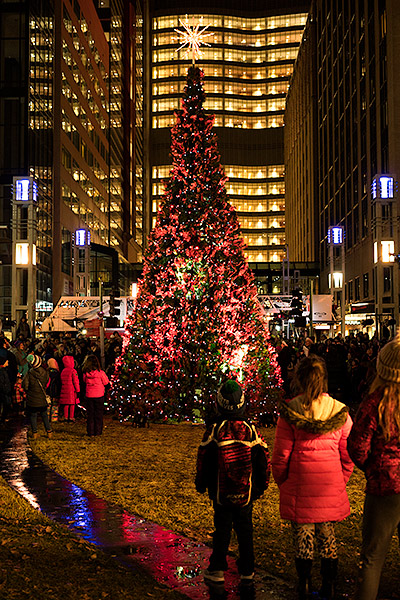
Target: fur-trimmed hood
{"x":293,"y":414}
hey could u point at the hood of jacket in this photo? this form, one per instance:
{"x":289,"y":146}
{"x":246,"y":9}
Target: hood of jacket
{"x":293,"y":415}
{"x":68,"y":361}
{"x":93,"y":375}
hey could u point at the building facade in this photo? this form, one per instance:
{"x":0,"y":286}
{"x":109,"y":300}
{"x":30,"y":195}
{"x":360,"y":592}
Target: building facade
{"x":301,"y":158}
{"x":70,"y":75}
{"x":357,"y":141}
{"x":247,"y":70}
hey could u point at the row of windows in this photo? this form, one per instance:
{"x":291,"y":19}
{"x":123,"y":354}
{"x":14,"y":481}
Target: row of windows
{"x":226,"y":104}
{"x":253,"y":205}
{"x":240,"y":122}
{"x":82,"y":179}
{"x":84,"y":120}
{"x":265,"y":255}
{"x":80,"y":79}
{"x":168,"y":38}
{"x":237,"y":188}
{"x":248,"y":72}
{"x":77,"y":206}
{"x":233,"y":171}
{"x":225,"y":87}
{"x":264,"y":239}
{"x":230,"y":22}
{"x":230,"y":55}
{"x":79,"y":47}
{"x":275,"y":222}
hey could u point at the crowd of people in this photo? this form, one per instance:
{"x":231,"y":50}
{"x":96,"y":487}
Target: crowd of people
{"x":341,"y":407}
{"x":55,"y":378}
{"x":350,"y":363}
{"x":317,"y":443}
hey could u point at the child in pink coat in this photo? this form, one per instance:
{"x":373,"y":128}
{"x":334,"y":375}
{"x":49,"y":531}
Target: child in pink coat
{"x":69,"y":388}
{"x":311,"y":466}
{"x":95,"y":381}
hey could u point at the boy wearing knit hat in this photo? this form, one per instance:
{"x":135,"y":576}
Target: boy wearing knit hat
{"x":233,"y":465}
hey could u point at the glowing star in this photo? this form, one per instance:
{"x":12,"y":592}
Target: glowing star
{"x":192,"y":37}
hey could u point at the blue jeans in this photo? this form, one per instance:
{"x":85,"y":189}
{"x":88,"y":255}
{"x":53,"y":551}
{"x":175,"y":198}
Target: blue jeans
{"x":240,"y":518}
{"x":380,"y":520}
{"x":33,"y":413}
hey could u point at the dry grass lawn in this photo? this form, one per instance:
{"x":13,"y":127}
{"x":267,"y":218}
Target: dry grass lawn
{"x":150,"y":472}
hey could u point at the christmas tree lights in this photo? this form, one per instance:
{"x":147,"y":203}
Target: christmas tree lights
{"x":197,"y":319}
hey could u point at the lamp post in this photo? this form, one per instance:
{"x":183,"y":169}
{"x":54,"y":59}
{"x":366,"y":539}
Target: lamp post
{"x":336,"y":277}
{"x":385,"y":247}
{"x":82,"y":262}
{"x":24,"y":231}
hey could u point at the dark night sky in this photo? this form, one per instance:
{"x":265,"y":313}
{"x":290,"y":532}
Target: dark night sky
{"x":230,"y":6}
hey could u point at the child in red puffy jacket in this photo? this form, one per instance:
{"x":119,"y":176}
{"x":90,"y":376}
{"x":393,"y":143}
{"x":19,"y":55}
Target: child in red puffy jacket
{"x":95,"y":381}
{"x":69,"y":388}
{"x":233,"y":465}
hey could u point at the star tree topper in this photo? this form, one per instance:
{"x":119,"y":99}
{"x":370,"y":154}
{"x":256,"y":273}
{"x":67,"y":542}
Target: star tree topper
{"x":192,"y":37}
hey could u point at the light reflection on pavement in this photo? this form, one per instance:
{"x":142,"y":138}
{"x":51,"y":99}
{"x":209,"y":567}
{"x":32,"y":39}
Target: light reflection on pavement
{"x":173,"y":560}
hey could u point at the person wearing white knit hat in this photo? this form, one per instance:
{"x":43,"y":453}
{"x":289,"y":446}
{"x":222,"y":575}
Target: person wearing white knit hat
{"x":374,"y":446}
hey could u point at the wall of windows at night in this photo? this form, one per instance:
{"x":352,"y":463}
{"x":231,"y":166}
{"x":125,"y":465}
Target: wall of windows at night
{"x":258,"y":195}
{"x":40,"y":136}
{"x":247,"y":70}
{"x":138,"y":128}
{"x":84,"y":120}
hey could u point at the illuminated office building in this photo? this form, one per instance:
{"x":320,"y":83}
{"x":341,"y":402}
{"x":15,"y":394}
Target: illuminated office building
{"x":70,"y":122}
{"x":355,"y":132}
{"x":247,"y":70}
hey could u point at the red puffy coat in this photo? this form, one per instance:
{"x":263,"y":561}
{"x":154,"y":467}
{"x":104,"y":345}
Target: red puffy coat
{"x":69,"y":382}
{"x":310,"y":462}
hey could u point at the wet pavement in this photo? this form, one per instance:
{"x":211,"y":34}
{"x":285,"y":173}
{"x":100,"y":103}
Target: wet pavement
{"x":173,"y":560}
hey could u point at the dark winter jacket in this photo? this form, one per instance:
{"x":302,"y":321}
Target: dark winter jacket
{"x":54,"y":383}
{"x":310,"y":462}
{"x":232,"y":463}
{"x":378,"y":458}
{"x":5,"y":387}
{"x":35,"y":383}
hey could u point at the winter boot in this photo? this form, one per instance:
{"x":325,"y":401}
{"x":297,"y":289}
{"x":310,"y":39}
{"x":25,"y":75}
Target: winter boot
{"x":303,"y":568}
{"x":329,"y":568}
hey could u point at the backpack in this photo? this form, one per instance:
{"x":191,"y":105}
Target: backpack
{"x":234,"y":440}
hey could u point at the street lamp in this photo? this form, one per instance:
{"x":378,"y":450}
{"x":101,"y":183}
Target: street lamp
{"x":336,"y":278}
{"x":82,"y":241}
{"x":385,"y":247}
{"x":24,"y":232}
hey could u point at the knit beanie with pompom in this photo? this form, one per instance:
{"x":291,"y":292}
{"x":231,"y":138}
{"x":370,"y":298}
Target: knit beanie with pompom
{"x":388,"y":362}
{"x":230,"y":396}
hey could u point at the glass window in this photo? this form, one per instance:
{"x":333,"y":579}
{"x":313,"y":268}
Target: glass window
{"x":282,"y":54}
{"x":284,"y":37}
{"x":287,"y":21}
{"x":280,"y":71}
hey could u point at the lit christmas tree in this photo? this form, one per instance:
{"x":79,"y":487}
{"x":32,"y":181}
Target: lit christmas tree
{"x":197,"y":318}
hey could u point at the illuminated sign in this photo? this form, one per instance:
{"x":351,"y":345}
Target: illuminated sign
{"x":82,"y":237}
{"x":22,"y":253}
{"x":25,"y":189}
{"x":335,"y":235}
{"x":337,"y":280}
{"x":382,"y":187}
{"x":387,"y":252}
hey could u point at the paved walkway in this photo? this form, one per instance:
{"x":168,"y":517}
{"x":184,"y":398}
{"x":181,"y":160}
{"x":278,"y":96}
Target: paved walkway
{"x":171,"y":559}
